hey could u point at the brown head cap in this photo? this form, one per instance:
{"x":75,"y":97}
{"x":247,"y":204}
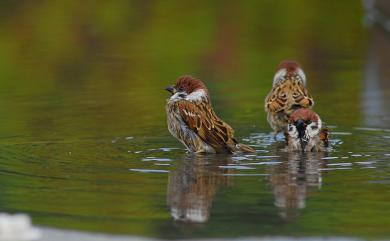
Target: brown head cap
{"x":304,"y":114}
{"x":189,"y":84}
{"x":289,"y":65}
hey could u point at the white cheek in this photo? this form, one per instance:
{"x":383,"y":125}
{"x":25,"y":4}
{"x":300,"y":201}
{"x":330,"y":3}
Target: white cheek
{"x":198,"y":95}
{"x":292,"y":131}
{"x":313,"y":132}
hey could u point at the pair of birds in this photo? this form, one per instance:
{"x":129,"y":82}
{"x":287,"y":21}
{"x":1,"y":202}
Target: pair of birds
{"x":192,"y":120}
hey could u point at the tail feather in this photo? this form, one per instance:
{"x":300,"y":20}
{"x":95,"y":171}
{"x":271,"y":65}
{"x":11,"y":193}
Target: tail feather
{"x":245,"y":148}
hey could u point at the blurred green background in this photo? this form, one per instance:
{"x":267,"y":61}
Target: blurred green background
{"x":71,"y":58}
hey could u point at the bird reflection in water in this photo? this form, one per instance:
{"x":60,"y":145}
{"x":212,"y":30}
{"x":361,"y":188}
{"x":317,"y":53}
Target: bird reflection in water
{"x":293,"y":179}
{"x":193,"y":185}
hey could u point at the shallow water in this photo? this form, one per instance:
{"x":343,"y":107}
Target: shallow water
{"x":83,"y":137}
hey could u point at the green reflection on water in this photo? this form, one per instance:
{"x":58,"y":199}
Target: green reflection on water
{"x":82,"y":102}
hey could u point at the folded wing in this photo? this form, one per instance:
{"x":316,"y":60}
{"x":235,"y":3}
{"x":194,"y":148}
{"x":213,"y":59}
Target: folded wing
{"x":288,"y":97}
{"x":202,"y":120}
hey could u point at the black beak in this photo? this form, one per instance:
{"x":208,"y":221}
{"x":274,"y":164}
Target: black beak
{"x":301,"y":128}
{"x":170,"y":89}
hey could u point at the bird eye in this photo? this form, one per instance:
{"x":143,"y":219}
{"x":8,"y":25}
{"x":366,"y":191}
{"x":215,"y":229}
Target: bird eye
{"x":182,"y":96}
{"x":314,"y":127}
{"x":290,"y":128}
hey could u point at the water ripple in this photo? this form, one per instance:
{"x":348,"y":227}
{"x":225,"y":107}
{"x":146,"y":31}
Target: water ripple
{"x":371,"y":129}
{"x":340,"y":133}
{"x":156,"y":159}
{"x":148,"y":170}
{"x":344,"y":164}
{"x":246,"y":175}
{"x":263,"y":163}
{"x":330,"y":158}
{"x":237,"y":167}
{"x":334,"y":168}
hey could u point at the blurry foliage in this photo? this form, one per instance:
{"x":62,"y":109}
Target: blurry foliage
{"x":65,"y":58}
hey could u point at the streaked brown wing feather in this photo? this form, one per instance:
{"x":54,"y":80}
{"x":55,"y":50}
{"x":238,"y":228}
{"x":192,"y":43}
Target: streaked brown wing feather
{"x":201,"y":119}
{"x":301,"y":96}
{"x":288,"y":96}
{"x":274,"y":103}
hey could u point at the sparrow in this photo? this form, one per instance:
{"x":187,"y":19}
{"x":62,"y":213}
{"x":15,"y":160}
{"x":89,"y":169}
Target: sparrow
{"x":287,"y":95}
{"x":306,"y":132}
{"x":192,"y":120}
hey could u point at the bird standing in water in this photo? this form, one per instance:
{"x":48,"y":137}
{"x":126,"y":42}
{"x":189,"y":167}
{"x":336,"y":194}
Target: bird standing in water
{"x":192,"y":120}
{"x":288,"y":94}
{"x":306,"y":132}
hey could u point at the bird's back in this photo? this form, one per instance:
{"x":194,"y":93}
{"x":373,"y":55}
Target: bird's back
{"x":285,"y":98}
